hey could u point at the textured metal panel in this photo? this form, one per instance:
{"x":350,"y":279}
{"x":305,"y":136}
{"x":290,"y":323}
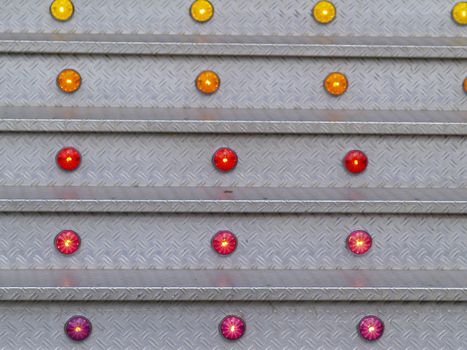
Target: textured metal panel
{"x":278,"y":326}
{"x":234,"y":45}
{"x":183,"y":241}
{"x":30,"y":80}
{"x":264,"y":160}
{"x":233,"y":200}
{"x":244,"y":121}
{"x":229,"y":285}
{"x":244,"y":17}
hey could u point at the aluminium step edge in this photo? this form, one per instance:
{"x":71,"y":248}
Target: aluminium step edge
{"x":234,"y":200}
{"x":234,"y":45}
{"x":239,"y":121}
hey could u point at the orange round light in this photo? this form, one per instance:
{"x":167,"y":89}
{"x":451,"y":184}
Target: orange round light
{"x":69,"y":81}
{"x":208,"y":82}
{"x":336,"y":84}
{"x":324,"y":12}
{"x":465,"y":85}
{"x":201,"y":11}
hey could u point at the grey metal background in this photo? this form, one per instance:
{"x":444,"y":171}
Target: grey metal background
{"x":119,"y":81}
{"x":245,"y":17}
{"x":285,"y":326}
{"x":183,"y":241}
{"x":264,"y":160}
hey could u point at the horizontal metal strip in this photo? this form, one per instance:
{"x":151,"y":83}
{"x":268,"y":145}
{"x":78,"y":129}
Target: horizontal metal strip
{"x":248,"y":121}
{"x":233,"y":200}
{"x":234,"y":45}
{"x":232,"y":285}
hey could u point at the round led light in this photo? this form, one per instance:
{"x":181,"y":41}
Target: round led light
{"x":201,"y":11}
{"x":68,"y":159}
{"x":232,"y":327}
{"x":324,"y":12}
{"x":224,"y":242}
{"x":355,"y":161}
{"x":359,"y":242}
{"x":465,"y":85}
{"x":459,"y":13}
{"x":67,"y":242}
{"x":371,"y":328}
{"x":208,"y":82}
{"x":336,"y":84}
{"x":69,"y":81}
{"x":62,"y":10}
{"x":78,"y":328}
{"x":225,"y":159}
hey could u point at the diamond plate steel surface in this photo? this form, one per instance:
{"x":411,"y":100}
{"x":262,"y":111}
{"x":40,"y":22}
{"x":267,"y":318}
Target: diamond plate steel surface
{"x":243,"y":17}
{"x":183,"y":241}
{"x":264,"y":160}
{"x":30,"y":80}
{"x":281,"y":326}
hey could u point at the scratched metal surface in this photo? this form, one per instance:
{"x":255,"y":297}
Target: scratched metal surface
{"x":183,"y":241}
{"x":119,"y":81}
{"x":278,"y":326}
{"x":128,"y":159}
{"x":243,"y":17}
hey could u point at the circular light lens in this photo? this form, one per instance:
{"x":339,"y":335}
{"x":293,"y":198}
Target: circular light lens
{"x":225,"y":159}
{"x":336,"y":84}
{"x":68,"y":159}
{"x":201,"y":11}
{"x":371,"y":328}
{"x":232,"y":327}
{"x":359,"y":242}
{"x":465,"y":85}
{"x":324,"y":12}
{"x":459,"y":13}
{"x":208,"y":82}
{"x":355,"y":161}
{"x":62,"y":10}
{"x":69,"y":81}
{"x":224,"y":242}
{"x":78,"y":328}
{"x":67,"y":242}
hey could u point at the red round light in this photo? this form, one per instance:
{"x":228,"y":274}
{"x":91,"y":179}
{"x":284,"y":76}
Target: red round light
{"x":355,"y":161}
{"x":67,"y":242}
{"x":224,"y":242}
{"x":68,"y":159}
{"x":359,"y":242}
{"x":78,"y":328}
{"x":225,"y":159}
{"x":371,"y":328}
{"x":232,"y":327}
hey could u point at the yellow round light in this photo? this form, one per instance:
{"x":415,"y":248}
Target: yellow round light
{"x":69,"y":81}
{"x":202,"y":11}
{"x":459,"y":13}
{"x":324,"y":12}
{"x":336,"y":84}
{"x":465,"y":85}
{"x":208,"y":82}
{"x":62,"y":10}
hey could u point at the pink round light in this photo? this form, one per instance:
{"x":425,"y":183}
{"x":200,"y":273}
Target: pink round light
{"x":224,"y":242}
{"x":359,"y":242}
{"x":371,"y":328}
{"x":78,"y":328}
{"x":232,"y":327}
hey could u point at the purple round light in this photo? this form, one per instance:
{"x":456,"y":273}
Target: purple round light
{"x":371,"y":328}
{"x":78,"y":328}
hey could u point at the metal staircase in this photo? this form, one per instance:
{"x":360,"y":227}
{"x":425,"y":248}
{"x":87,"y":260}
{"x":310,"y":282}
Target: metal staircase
{"x":146,"y":199}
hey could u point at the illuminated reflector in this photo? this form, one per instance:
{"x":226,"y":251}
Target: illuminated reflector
{"x":62,"y":10}
{"x":208,"y":82}
{"x":225,"y":159}
{"x":355,"y":161}
{"x":67,"y":242}
{"x":201,"y":11}
{"x":69,"y":81}
{"x":324,"y":12}
{"x":359,"y":242}
{"x":371,"y":328}
{"x":232,"y":327}
{"x":78,"y":328}
{"x":459,"y":13}
{"x":68,"y":159}
{"x":465,"y":85}
{"x":336,"y":84}
{"x":224,"y":242}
